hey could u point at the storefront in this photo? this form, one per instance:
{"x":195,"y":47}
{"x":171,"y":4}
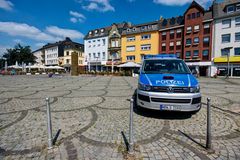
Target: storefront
{"x":222,"y":66}
{"x":202,"y":68}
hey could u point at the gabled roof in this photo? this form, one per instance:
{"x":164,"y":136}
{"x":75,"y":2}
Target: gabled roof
{"x":171,"y":22}
{"x":194,"y":4}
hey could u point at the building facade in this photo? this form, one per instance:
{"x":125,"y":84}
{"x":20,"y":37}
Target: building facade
{"x":140,"y":40}
{"x":102,"y":46}
{"x":226,"y":40}
{"x":197,"y":41}
{"x":39,"y":54}
{"x":171,"y":36}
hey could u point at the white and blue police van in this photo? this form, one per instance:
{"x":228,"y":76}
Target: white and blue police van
{"x":167,"y":84}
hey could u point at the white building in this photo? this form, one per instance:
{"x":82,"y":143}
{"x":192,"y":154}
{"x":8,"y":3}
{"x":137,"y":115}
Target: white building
{"x":226,"y":38}
{"x":96,"y":49}
{"x":51,"y":56}
{"x":39,"y":56}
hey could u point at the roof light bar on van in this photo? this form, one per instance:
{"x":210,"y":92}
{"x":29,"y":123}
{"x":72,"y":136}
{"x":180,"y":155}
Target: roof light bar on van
{"x":161,"y":56}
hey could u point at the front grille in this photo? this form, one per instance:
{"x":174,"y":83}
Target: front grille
{"x":196,"y":100}
{"x":165,"y":100}
{"x":144,"y":98}
{"x":174,"y":89}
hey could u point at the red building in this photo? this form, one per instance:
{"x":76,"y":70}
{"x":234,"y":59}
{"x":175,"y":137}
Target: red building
{"x":171,"y":35}
{"x":198,"y":38}
{"x":189,"y":37}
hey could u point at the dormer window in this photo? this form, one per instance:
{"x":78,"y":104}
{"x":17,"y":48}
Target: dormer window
{"x":149,"y":26}
{"x":230,"y":9}
{"x":134,"y":29}
{"x":102,"y":30}
{"x":90,"y":33}
{"x":96,"y":31}
{"x":128,"y":30}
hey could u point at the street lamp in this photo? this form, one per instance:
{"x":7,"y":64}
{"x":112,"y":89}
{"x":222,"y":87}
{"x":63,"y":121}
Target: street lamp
{"x":228,"y":63}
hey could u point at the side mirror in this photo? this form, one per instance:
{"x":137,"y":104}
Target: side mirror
{"x":136,"y":71}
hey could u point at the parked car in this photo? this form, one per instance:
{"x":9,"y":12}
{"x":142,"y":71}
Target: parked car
{"x":166,"y":83}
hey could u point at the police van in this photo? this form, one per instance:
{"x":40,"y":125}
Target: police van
{"x":166,"y":83}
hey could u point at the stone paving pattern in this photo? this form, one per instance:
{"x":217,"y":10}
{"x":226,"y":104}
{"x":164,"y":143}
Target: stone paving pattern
{"x":93,"y":116}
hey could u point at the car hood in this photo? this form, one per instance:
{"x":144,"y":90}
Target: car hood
{"x":178,"y":80}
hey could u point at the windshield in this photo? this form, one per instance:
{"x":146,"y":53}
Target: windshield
{"x":159,"y":66}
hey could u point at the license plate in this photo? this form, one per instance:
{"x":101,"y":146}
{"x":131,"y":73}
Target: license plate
{"x":169,"y":107}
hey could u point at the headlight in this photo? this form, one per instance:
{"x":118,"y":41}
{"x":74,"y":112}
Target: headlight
{"x":195,"y":89}
{"x":144,"y":87}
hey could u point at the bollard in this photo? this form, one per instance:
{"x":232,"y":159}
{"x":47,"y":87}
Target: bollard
{"x":130,"y":151}
{"x":209,"y":137}
{"x":49,"y":125}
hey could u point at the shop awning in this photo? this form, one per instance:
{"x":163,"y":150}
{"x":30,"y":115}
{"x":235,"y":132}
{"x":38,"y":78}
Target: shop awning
{"x":224,"y":59}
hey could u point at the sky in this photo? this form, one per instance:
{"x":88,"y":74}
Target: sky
{"x":37,"y":22}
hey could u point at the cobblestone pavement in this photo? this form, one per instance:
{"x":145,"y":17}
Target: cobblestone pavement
{"x":92,"y":115}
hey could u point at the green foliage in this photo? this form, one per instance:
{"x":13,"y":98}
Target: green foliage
{"x":20,"y":54}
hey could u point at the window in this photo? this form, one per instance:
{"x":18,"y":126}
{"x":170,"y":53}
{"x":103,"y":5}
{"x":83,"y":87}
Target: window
{"x":171,"y":46}
{"x":89,"y":41}
{"x":206,"y":28}
{"x":188,"y":42}
{"x":130,"y":39}
{"x":237,"y":22}
{"x":189,"y":16}
{"x":188,"y":54}
{"x":171,"y":34}
{"x":178,"y":55}
{"x":225,"y":52}
{"x":113,"y":43}
{"x":80,"y":61}
{"x":146,"y":47}
{"x":67,"y":53}
{"x":103,"y":56}
{"x":67,"y":61}
{"x":238,"y":7}
{"x":237,"y":36}
{"x":178,"y":45}
{"x":94,"y":55}
{"x":179,"y":33}
{"x":104,"y":42}
{"x":164,"y":36}
{"x":206,"y":41}
{"x":130,"y":58}
{"x":195,"y":53}
{"x":196,"y":40}
{"x":163,"y":46}
{"x":196,"y":28}
{"x":226,"y":38}
{"x":230,"y":9}
{"x":198,"y":14}
{"x":146,"y":36}
{"x":237,"y":51}
{"x":205,"y":53}
{"x":193,"y":15}
{"x":130,"y":48}
{"x":143,"y":28}
{"x":94,"y":40}
{"x":226,"y":23}
{"x":189,"y":29}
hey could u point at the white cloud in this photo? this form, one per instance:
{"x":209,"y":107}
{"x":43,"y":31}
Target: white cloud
{"x":99,"y":5}
{"x":51,"y":33}
{"x":24,"y":30}
{"x":76,"y":17}
{"x":180,"y":2}
{"x":61,"y":32}
{"x":73,"y":20}
{"x":17,"y":41}
{"x":6,"y":5}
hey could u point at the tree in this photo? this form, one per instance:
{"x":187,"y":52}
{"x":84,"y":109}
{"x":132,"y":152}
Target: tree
{"x":20,"y":54}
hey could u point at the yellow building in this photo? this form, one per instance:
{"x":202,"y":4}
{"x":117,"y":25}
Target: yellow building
{"x":139,"y":40}
{"x":68,"y":49}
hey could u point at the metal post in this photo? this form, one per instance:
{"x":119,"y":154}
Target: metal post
{"x":209,"y":137}
{"x":49,"y":125}
{"x":112,"y":63}
{"x":131,"y":128}
{"x":228,"y":65}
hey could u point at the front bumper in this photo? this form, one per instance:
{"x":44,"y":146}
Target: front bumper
{"x":185,"y":102}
